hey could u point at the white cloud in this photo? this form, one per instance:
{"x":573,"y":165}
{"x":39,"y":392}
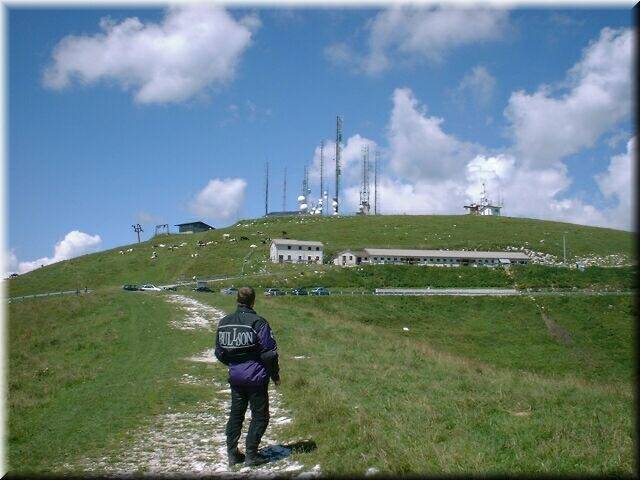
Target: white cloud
{"x":434,"y":172}
{"x":341,"y":54}
{"x":409,"y":33}
{"x":9,"y":262}
{"x":350,"y":164}
{"x":221,"y":199}
{"x":419,"y":148}
{"x":547,"y":128}
{"x":144,"y":217}
{"x":478,"y":84}
{"x":194,"y":48}
{"x":74,"y":244}
{"x":618,"y":182}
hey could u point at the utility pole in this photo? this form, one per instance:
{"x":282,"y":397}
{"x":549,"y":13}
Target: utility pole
{"x":564,"y":247}
{"x":137,"y":228}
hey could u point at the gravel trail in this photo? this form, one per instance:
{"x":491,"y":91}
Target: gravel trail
{"x":193,"y":442}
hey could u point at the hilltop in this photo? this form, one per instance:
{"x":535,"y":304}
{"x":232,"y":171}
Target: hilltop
{"x":225,"y":254}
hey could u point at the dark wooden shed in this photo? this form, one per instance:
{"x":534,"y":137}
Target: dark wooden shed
{"x":193,"y":227}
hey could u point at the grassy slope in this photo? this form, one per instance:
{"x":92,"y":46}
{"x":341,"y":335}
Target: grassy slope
{"x":83,"y":370}
{"x":111,"y":268}
{"x":475,"y":385}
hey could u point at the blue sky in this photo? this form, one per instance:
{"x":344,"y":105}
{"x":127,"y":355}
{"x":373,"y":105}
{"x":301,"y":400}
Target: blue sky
{"x":90,"y":151}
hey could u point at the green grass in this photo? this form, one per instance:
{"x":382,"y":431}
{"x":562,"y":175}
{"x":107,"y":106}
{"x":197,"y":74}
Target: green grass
{"x":476,"y":385}
{"x":109,"y":268}
{"x":600,"y":278}
{"x":85,"y":370}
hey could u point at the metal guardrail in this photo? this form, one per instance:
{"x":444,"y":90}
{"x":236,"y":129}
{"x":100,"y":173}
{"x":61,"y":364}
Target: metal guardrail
{"x":448,"y":291}
{"x":49,"y":294}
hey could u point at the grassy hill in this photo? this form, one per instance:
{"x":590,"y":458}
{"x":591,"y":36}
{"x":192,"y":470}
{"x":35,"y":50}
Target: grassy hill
{"x":226,"y":257}
{"x":490,"y":385}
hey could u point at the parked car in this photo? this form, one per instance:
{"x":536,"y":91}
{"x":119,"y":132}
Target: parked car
{"x":149,"y":288}
{"x":171,"y":288}
{"x":130,"y":287}
{"x":319,"y":291}
{"x":229,"y":291}
{"x":202,"y":288}
{"x":274,"y":292}
{"x":299,"y":291}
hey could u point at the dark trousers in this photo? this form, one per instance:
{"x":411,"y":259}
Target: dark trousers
{"x":258,"y":399}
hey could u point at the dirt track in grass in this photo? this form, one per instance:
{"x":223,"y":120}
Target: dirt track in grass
{"x":193,"y":442}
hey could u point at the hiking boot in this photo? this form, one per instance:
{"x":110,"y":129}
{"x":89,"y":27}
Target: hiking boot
{"x":254,"y":458}
{"x":235,"y":457}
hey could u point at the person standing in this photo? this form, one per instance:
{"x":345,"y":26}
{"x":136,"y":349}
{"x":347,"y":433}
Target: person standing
{"x":245,"y":343}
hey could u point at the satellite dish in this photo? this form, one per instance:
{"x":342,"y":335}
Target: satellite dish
{"x":301,"y":198}
{"x":334,"y":203}
{"x":303,"y":206}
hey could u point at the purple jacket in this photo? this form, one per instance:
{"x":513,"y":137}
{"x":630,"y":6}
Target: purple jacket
{"x":245,"y":343}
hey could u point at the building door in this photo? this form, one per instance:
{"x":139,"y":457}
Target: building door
{"x":280,"y":258}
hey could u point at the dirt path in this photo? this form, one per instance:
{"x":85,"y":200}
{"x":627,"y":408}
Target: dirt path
{"x":194,"y":442}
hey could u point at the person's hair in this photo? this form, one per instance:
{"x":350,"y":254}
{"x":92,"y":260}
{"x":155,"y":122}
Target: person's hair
{"x":246,"y":296}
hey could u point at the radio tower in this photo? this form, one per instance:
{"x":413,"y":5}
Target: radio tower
{"x":336,"y":200}
{"x":321,"y":177}
{"x":266,"y":188}
{"x":375,"y":182}
{"x":284,"y":191}
{"x":364,"y":189}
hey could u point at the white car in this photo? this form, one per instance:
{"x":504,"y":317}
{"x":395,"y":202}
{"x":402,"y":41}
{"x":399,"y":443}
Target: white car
{"x":150,"y":288}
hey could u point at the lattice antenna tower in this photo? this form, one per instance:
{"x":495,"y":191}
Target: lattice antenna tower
{"x":266,"y":187}
{"x":336,"y":200}
{"x":322,"y":176}
{"x":364,"y":189}
{"x":375,"y":182}
{"x":284,"y":191}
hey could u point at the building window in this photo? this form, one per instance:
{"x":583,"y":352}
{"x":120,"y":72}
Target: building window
{"x":299,"y":257}
{"x":309,"y":248}
{"x":350,"y":257}
{"x":317,"y":249}
{"x":308,"y":257}
{"x":299,"y":247}
{"x":317,"y":258}
{"x":288,"y":257}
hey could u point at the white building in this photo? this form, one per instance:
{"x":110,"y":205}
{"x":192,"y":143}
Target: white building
{"x":284,"y":250}
{"x":449,"y":258}
{"x":485,"y":207}
{"x":348,"y":258}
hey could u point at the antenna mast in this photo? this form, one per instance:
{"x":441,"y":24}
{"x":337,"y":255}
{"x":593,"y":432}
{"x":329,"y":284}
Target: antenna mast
{"x":375,"y":182}
{"x":364,"y":190}
{"x":336,"y":204}
{"x":321,"y":177}
{"x":284,"y":191}
{"x":266,"y":189}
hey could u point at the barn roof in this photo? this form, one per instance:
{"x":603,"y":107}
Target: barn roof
{"x":289,"y":241}
{"x":392,"y":252}
{"x":193,"y":223}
